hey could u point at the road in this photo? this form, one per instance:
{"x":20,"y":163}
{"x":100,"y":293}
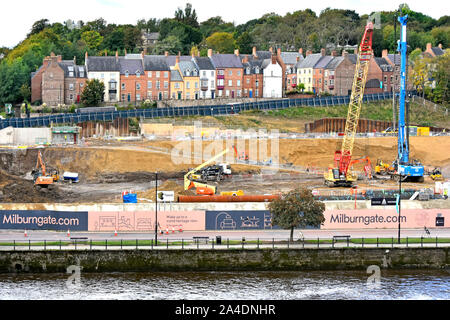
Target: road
{"x":9,"y":235}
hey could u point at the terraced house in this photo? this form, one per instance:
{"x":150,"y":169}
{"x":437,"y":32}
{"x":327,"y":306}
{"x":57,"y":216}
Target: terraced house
{"x":207,"y":77}
{"x":253,"y":76}
{"x":305,"y":70}
{"x":107,"y":70}
{"x":229,"y":74}
{"x":191,"y":79}
{"x":132,"y":80}
{"x":157,"y":75}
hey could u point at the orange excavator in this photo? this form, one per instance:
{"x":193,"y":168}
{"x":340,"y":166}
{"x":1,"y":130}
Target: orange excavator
{"x":42,"y":179}
{"x":367,"y":166}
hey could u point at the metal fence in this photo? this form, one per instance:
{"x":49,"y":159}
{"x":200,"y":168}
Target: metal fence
{"x":209,"y":110}
{"x":206,"y":243}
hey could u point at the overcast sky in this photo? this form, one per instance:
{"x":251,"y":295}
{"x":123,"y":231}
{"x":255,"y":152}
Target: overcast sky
{"x":18,"y":16}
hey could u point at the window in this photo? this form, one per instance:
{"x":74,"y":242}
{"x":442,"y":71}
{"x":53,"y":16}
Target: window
{"x":70,"y":86}
{"x":123,"y":86}
{"x":126,"y":74}
{"x":245,"y":91}
{"x":71,"y":74}
{"x":149,"y":84}
{"x":138,"y":86}
{"x":248,"y":80}
{"x":138,"y":97}
{"x":166,"y":84}
{"x":81,"y":70}
{"x":196,"y":85}
{"x":102,"y":75}
{"x":188,"y":95}
{"x":204,"y":73}
{"x":188,"y":72}
{"x":239,"y":72}
{"x":227,"y":93}
{"x":166,"y":74}
{"x":71,"y":97}
{"x":123,"y":97}
{"x":212,"y":84}
{"x":230,"y":83}
{"x":239,"y":93}
{"x":158,"y":85}
{"x":256,"y":69}
{"x":248,"y":70}
{"x":212,"y":73}
{"x":220,"y":82}
{"x":129,"y":97}
{"x":166,"y":95}
{"x":177,"y":85}
{"x":256,"y":92}
{"x":158,"y":74}
{"x":230,"y":73}
{"x":149,"y":74}
{"x":257,"y":83}
{"x":112,"y":85}
{"x":238,"y":83}
{"x":195,"y":73}
{"x":81,"y":85}
{"x":188,"y":85}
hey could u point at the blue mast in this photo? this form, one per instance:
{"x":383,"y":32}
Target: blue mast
{"x":403,"y":151}
{"x":405,"y":168}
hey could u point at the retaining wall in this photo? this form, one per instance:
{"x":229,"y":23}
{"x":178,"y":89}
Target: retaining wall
{"x":223,"y":260}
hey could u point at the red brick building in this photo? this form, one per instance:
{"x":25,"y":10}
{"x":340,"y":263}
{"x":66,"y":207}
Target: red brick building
{"x":157,"y":77}
{"x":132,"y":80}
{"x":229,"y":74}
{"x":53,"y":82}
{"x":253,"y":77}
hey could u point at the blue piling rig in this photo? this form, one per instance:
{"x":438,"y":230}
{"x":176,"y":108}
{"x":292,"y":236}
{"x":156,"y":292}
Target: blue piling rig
{"x":412,"y":171}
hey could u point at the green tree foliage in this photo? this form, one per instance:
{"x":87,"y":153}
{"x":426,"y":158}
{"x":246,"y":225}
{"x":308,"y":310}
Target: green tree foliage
{"x":93,"y":39}
{"x":297,"y":209}
{"x":222,"y":42}
{"x":188,"y":16}
{"x":38,"y":26}
{"x":244,"y":43}
{"x":93,"y":93}
{"x":441,"y":74}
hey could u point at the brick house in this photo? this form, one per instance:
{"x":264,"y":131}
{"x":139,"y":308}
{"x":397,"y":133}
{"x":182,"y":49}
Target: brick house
{"x":191,"y":79}
{"x":75,"y":78}
{"x":434,"y":51}
{"x":319,"y":72}
{"x":229,"y":74}
{"x":132,"y":80}
{"x":252,"y":86}
{"x":157,"y":72}
{"x":290,"y":60}
{"x":53,"y":82}
{"x":339,"y":73}
{"x":36,"y":79}
{"x":394,"y":60}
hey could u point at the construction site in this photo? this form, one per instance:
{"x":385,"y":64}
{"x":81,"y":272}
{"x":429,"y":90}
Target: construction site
{"x":233,"y":158}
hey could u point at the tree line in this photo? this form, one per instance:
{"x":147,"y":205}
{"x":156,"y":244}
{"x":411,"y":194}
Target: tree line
{"x":183,"y":33}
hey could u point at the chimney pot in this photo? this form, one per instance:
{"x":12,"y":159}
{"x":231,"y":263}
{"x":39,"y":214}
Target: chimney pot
{"x":166,"y":53}
{"x":300,"y":51}
{"x":254,"y":52}
{"x":440,"y":45}
{"x":308,"y":52}
{"x":279,"y":51}
{"x":322,"y":52}
{"x":236,"y":52}
{"x":428,"y":46}
{"x":210,"y":53}
{"x":384,"y":53}
{"x":177,"y":59}
{"x":271,"y":50}
{"x":334,"y":53}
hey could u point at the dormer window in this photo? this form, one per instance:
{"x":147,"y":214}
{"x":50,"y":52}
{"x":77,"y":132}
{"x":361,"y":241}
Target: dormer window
{"x":256,"y":70}
{"x":248,"y":70}
{"x":195,"y":72}
{"x":70,"y":71}
{"x":127,"y":73}
{"x":138,"y":74}
{"x":188,"y":72}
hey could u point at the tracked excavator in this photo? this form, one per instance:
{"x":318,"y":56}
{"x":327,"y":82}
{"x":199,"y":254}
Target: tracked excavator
{"x":42,"y":178}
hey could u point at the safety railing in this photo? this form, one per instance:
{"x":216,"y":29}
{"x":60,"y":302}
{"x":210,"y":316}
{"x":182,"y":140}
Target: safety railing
{"x":211,"y":243}
{"x":208,"y":110}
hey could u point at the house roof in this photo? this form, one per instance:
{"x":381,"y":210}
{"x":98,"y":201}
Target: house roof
{"x":226,"y":61}
{"x":132,"y":66}
{"x":437,"y":51}
{"x":188,"y":66}
{"x":395,"y":58}
{"x":155,"y":63}
{"x":291,"y":57}
{"x":323,"y":62}
{"x":310,"y":61}
{"x":172,"y":60}
{"x":151,"y":35}
{"x":204,"y":63}
{"x":252,"y":63}
{"x":103,"y":63}
{"x":383,"y":64}
{"x":175,"y":75}
{"x":70,"y":66}
{"x":334,"y":63}
{"x":264,"y":54}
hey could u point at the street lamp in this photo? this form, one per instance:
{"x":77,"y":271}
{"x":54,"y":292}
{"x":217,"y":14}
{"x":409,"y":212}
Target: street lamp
{"x":156,"y":208}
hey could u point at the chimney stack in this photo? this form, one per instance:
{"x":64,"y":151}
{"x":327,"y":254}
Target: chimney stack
{"x":384,"y":53}
{"x":274,"y":59}
{"x":177,"y":59}
{"x":143,"y":54}
{"x":428,"y":46}
{"x":300,"y":51}
{"x":440,"y":45}
{"x":145,"y":51}
{"x":279,"y":51}
{"x":209,"y":53}
{"x":298,"y":58}
{"x":254,"y":52}
{"x":125,"y":51}
{"x":236,"y":52}
{"x":271,"y":50}
{"x":355,"y":51}
{"x":334,"y":53}
{"x":308,"y":52}
{"x":245,"y":60}
{"x":166,"y":53}
{"x":75,"y":60}
{"x":322,"y":52}
{"x":344,"y":53}
{"x":117,"y":55}
{"x":85,"y":56}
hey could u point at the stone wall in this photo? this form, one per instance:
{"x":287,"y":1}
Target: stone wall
{"x":223,"y":260}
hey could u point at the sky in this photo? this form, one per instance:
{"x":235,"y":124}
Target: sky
{"x":18,"y":16}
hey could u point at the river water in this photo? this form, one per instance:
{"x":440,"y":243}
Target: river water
{"x":346,"y":285}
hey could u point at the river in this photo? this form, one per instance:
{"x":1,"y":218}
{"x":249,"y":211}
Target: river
{"x":310,"y":285}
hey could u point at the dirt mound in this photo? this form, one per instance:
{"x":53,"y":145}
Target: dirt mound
{"x":18,"y":190}
{"x":168,"y":185}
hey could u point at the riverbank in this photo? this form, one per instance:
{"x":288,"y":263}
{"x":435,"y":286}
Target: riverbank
{"x":56,"y":261}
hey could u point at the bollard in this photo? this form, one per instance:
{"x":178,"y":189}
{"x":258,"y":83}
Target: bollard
{"x":29,"y":244}
{"x":377,"y":242}
{"x":45,"y":244}
{"x":392,"y":242}
{"x":137,"y":243}
{"x":436,"y":242}
{"x":289,"y":240}
{"x":106,"y":244}
{"x":120,"y":244}
{"x":59,"y":244}
{"x":421,"y":242}
{"x":212,"y":244}
{"x":273,"y":243}
{"x":182,"y":244}
{"x":228,"y":243}
{"x":167,"y":243}
{"x":75,"y":244}
{"x":318,"y":242}
{"x":90,"y":244}
{"x":406,"y":242}
{"x":257,"y":243}
{"x":14,"y":245}
{"x":363,"y":242}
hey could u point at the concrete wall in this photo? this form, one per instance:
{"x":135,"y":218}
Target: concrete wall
{"x":222,"y":260}
{"x":7,"y":135}
{"x":25,"y":136}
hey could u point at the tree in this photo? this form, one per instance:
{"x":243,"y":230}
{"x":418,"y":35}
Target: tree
{"x":93,"y":93}
{"x":93,"y":39}
{"x":245,"y":43}
{"x":297,"y":209}
{"x":188,"y":17}
{"x":222,"y":42}
{"x":38,"y":26}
